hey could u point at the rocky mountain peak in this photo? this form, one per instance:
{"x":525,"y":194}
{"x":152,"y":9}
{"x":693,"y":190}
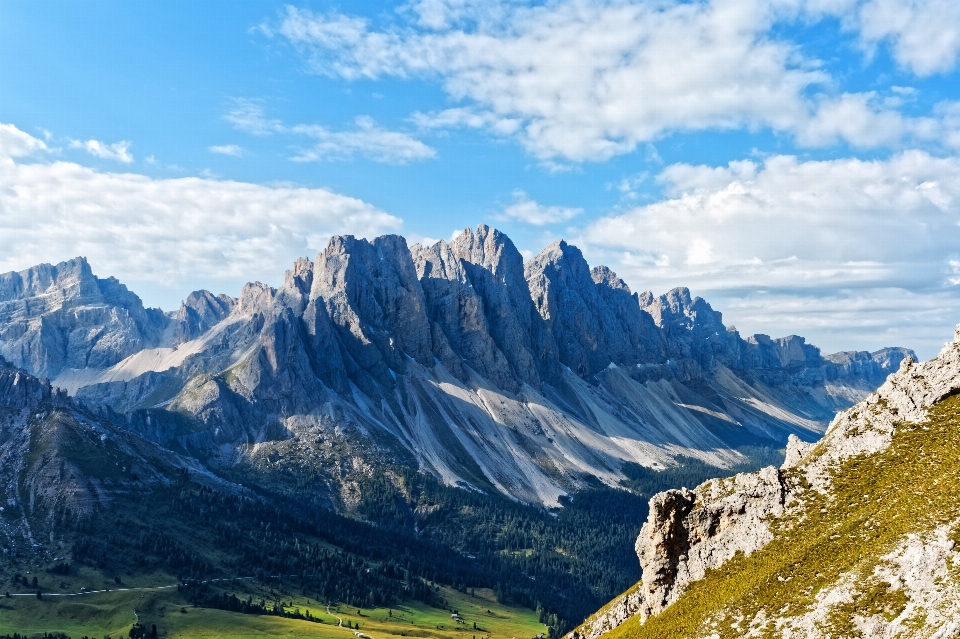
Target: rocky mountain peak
{"x":490,"y":249}
{"x":201,"y":311}
{"x":602,"y":275}
{"x":373,"y":296}
{"x":255,"y":297}
{"x":87,"y":321}
{"x":787,"y":350}
{"x":560,"y":265}
{"x":496,"y":273}
{"x":44,"y":277}
{"x":522,"y":379}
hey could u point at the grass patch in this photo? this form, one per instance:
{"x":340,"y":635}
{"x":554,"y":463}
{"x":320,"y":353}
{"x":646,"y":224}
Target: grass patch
{"x":912,"y":487}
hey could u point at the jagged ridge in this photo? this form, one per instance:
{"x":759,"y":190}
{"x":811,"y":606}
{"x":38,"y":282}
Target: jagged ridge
{"x":457,"y":358}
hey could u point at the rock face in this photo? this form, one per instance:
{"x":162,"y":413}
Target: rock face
{"x":680,"y":542}
{"x":56,"y":317}
{"x":457,"y":359}
{"x":690,"y":532}
{"x":57,"y":457}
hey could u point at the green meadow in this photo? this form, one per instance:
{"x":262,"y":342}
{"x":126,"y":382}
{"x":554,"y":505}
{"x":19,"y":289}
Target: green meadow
{"x":114,"y":613}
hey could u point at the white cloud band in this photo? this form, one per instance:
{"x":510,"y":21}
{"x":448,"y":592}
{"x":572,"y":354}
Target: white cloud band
{"x":582,"y":80}
{"x":164,"y":232}
{"x":789,"y":230}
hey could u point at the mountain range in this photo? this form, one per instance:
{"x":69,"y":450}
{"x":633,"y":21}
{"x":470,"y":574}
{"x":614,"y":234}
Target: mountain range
{"x":389,"y":419}
{"x":459,"y":360}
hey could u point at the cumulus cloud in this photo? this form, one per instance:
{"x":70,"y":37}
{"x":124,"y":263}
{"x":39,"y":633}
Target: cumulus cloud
{"x":857,"y":118}
{"x":583,"y":80}
{"x":119,"y":151}
{"x":794,"y":229}
{"x":228,"y":149}
{"x":849,"y":220}
{"x":367,"y":139}
{"x":924,"y":35}
{"x":528,"y":211}
{"x":15,"y":143}
{"x":165,"y":232}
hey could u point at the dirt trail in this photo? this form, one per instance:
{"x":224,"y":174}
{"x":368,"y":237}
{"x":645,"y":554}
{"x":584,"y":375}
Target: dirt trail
{"x":339,"y":625}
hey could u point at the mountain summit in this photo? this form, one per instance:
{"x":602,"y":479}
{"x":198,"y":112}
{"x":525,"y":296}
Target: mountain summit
{"x":456,"y":359}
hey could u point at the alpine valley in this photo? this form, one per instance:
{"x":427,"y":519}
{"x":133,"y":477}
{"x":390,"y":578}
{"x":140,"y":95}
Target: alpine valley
{"x":401,"y":425}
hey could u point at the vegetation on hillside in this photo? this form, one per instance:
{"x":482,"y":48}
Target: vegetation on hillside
{"x":169,"y":613}
{"x":876,"y":501}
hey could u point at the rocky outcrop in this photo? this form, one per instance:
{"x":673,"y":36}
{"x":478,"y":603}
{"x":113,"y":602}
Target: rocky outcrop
{"x":690,"y":532}
{"x":612,"y":615}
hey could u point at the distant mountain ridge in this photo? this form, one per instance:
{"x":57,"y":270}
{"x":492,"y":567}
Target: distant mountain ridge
{"x":457,"y":359}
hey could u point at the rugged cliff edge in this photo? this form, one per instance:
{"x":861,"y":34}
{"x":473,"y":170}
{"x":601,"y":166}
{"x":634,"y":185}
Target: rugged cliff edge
{"x":853,"y":536}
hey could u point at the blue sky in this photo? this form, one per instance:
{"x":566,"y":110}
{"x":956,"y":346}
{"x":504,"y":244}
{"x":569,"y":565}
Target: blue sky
{"x":795,"y":162}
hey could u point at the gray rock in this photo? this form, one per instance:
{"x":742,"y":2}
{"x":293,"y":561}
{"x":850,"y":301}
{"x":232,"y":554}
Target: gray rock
{"x":201,"y":311}
{"x":496,"y":271}
{"x":457,"y":310}
{"x":63,"y":316}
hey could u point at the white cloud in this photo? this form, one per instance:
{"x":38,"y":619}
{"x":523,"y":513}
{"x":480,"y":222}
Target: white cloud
{"x":367,"y":139}
{"x":443,"y":14}
{"x":163,"y":233}
{"x":470,"y":118}
{"x":248,"y":116}
{"x":584,"y":80}
{"x":119,"y":151}
{"x":228,"y":149}
{"x":924,"y":35}
{"x":528,"y":211}
{"x":15,"y":143}
{"x":847,"y":220}
{"x":796,"y":230}
{"x":856,"y":118}
{"x":948,"y":131}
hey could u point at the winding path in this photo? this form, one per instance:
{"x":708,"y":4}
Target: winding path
{"x":339,"y":625}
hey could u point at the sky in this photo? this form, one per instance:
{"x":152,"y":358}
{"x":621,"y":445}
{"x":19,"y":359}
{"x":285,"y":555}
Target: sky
{"x":794,"y":162}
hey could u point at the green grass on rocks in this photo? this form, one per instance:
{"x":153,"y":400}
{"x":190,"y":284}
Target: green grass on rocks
{"x":912,"y":487}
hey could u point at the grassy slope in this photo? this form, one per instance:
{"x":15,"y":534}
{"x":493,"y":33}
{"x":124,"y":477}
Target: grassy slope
{"x":113,"y":613}
{"x":913,"y":486}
